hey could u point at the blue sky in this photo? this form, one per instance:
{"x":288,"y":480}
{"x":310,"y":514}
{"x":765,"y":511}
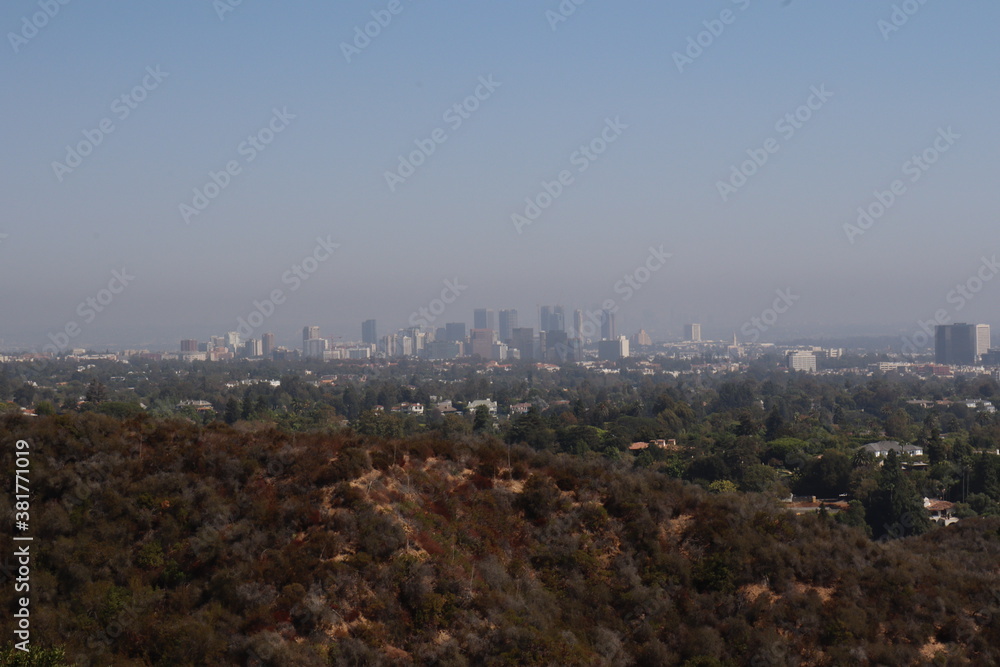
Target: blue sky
{"x":323,"y":176}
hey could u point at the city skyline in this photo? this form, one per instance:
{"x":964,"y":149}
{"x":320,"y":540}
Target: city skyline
{"x":712,"y":156}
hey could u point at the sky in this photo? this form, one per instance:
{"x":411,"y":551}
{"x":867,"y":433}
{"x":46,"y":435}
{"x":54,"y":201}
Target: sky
{"x":170,"y":167}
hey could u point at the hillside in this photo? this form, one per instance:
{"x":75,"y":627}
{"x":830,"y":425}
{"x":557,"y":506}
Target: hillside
{"x":163,"y":542}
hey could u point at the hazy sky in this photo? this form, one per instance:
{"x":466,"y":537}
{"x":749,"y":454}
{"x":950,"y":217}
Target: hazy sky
{"x":886,"y":81}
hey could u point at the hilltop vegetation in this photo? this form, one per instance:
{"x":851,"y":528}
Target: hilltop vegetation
{"x":166,"y":542}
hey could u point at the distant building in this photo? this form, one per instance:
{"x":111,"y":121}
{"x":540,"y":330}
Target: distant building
{"x":482,"y":342}
{"x":608,"y":325}
{"x":309,"y":333}
{"x":642,"y":339}
{"x":267,"y":346}
{"x":314,"y":348}
{"x":523,"y":340}
{"x":955,"y":344}
{"x":369,"y":335}
{"x":882,"y":448}
{"x":253,"y":348}
{"x":455,"y":331}
{"x":613,"y":350}
{"x":552,"y":318}
{"x":508,"y":322}
{"x":982,"y":340}
{"x":189,"y":345}
{"x":692,"y":333}
{"x":233,"y":341}
{"x":484,"y":318}
{"x":443,"y":349}
{"x":802,"y":361}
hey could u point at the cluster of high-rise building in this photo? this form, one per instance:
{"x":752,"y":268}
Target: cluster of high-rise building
{"x":498,"y":336}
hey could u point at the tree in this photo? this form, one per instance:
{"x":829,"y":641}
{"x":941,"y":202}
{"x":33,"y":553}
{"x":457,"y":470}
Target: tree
{"x":483,"y":420}
{"x":232,"y":414}
{"x":895,"y":509}
{"x":96,"y":391}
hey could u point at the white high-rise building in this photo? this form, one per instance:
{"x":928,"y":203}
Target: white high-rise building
{"x":982,"y":340}
{"x":692,"y":332}
{"x":802,"y":361}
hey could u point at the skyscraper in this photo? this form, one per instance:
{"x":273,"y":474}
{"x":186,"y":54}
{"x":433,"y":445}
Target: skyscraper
{"x":455,"y":331}
{"x":482,"y":342}
{"x":368,"y":333}
{"x":982,"y":340}
{"x":484,"y":318}
{"x":267,"y":345}
{"x":607,"y":325}
{"x":309,"y":333}
{"x":508,"y":322}
{"x":955,"y":344}
{"x":189,"y":345}
{"x":552,"y":318}
{"x":523,"y":339}
{"x":692,"y":332}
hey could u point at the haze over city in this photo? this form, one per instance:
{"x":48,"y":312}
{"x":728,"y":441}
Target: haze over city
{"x":739,"y":138}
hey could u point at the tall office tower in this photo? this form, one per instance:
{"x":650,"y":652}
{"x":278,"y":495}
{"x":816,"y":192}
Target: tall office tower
{"x":252,"y":348}
{"x":692,"y":333}
{"x":314,"y":348}
{"x":368,"y":335}
{"x":578,"y":323}
{"x":189,"y":345}
{"x":982,"y":340}
{"x":404,"y":345}
{"x":455,"y":331}
{"x":955,"y":344}
{"x":641,"y":339}
{"x":523,"y":339}
{"x":552,"y":318}
{"x":309,"y":333}
{"x":608,"y":325}
{"x":613,"y":350}
{"x":557,"y":348}
{"x":482,"y":343}
{"x":267,"y":345}
{"x":508,"y":322}
{"x":484,"y":318}
{"x":233,"y":341}
{"x":557,"y":320}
